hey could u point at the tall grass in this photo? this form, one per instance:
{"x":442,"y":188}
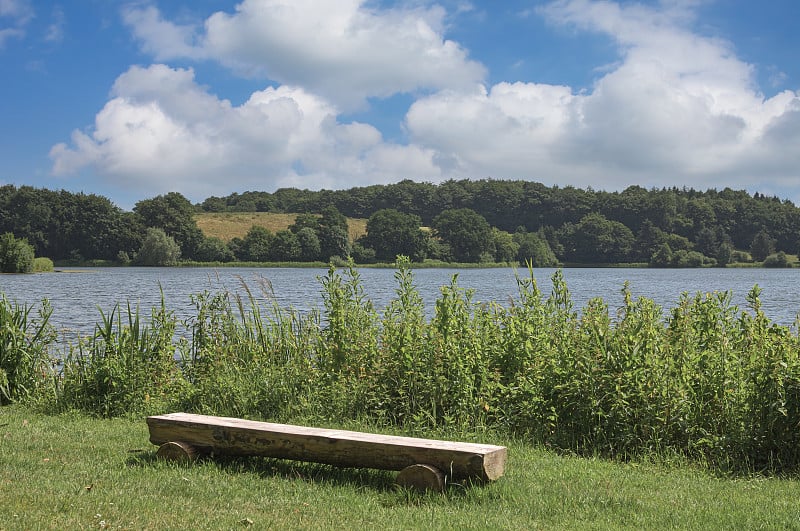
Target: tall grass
{"x":25,"y":338}
{"x":126,"y":367}
{"x":706,"y":380}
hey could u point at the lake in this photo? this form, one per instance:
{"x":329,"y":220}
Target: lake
{"x":76,"y":294}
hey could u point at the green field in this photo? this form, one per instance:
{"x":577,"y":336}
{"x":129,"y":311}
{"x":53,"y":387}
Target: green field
{"x":76,"y":472}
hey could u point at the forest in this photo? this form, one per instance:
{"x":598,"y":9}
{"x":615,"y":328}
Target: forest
{"x":463,"y":221}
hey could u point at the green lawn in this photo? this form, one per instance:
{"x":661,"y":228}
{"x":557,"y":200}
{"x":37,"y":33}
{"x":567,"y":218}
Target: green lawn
{"x":74,"y":472}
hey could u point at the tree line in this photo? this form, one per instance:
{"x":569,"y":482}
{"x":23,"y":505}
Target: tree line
{"x":456,"y":221}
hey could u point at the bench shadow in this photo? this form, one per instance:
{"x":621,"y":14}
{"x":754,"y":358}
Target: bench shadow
{"x":266,"y":467}
{"x":378,"y":481}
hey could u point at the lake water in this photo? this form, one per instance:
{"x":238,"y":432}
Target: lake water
{"x":77,"y":294}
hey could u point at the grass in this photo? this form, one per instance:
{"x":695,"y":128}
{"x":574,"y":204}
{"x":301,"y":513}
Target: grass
{"x":705,"y":380}
{"x":694,"y":411}
{"x":75,"y":472}
{"x":229,"y":225}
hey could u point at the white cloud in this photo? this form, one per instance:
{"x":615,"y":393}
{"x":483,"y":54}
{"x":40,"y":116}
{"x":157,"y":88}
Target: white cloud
{"x":678,"y":109}
{"x":20,"y":10}
{"x":505,"y":132}
{"x":161,"y":38}
{"x":55,"y":31}
{"x":345,"y":51}
{"x":161,"y":132}
{"x":14,"y":17}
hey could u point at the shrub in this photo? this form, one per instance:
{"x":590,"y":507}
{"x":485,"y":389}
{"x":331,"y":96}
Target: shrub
{"x":16,"y":255}
{"x":778,"y":259}
{"x":363,"y":255}
{"x":158,"y":249}
{"x":42,"y":265}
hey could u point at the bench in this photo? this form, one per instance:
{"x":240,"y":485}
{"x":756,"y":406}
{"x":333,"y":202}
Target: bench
{"x":423,"y":463}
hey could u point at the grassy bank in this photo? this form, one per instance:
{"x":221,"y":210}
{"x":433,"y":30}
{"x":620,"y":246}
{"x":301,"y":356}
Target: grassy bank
{"x":75,"y":472}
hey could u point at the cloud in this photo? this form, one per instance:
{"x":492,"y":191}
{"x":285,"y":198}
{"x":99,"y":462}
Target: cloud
{"x":678,"y":109}
{"x":160,"y":38}
{"x":14,"y":17}
{"x":161,"y":131}
{"x":55,"y":31}
{"x":345,"y":51}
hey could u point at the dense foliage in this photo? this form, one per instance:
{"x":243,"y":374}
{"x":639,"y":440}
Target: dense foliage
{"x":705,"y":380}
{"x":158,"y":249}
{"x":25,"y":340}
{"x":580,"y":225}
{"x":16,"y":255}
{"x":473,"y":221}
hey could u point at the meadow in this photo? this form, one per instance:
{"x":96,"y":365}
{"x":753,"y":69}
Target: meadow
{"x":73,"y":471}
{"x":639,"y":417}
{"x":229,"y":225}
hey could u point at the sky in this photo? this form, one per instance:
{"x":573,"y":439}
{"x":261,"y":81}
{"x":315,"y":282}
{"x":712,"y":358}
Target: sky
{"x":132,"y":99}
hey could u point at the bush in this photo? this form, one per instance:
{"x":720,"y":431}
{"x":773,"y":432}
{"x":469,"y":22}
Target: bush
{"x":741,"y":257}
{"x":158,"y":249}
{"x":16,"y":255}
{"x":42,"y":265}
{"x":363,"y":255}
{"x":778,"y":259}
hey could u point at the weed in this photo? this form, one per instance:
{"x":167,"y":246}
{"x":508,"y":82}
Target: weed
{"x":705,"y":381}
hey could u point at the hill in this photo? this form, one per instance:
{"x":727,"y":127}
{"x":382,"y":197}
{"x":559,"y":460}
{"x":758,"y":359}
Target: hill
{"x":229,"y":225}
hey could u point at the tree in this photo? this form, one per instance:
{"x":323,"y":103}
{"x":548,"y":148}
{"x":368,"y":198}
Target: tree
{"x":596,"y":239}
{"x":285,"y":246}
{"x":391,"y":233}
{"x":362,"y":255}
{"x":648,"y":241}
{"x":174,"y":214}
{"x":158,"y":249}
{"x":16,"y":255}
{"x":762,"y":246}
{"x":309,"y":244}
{"x":466,"y":232}
{"x":257,"y":243}
{"x":724,"y":254}
{"x":662,"y":257}
{"x":213,"y":250}
{"x":214,"y":204}
{"x":534,"y":249}
{"x":505,"y":248}
{"x":334,"y":239}
{"x":707,"y":242}
{"x":305,"y":221}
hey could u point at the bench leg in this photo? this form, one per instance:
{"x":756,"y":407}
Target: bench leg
{"x":421,"y":477}
{"x":177,"y":451}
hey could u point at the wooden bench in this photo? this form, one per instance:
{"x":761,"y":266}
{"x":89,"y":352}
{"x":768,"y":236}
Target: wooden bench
{"x":424,"y":463}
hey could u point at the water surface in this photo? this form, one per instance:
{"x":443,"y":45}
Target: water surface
{"x":77,"y":294}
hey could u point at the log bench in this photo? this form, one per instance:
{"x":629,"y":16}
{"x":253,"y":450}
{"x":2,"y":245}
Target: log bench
{"x":423,"y":463}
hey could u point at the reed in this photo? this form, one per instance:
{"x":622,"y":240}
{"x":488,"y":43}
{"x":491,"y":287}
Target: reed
{"x":705,"y":380}
{"x":25,"y":340}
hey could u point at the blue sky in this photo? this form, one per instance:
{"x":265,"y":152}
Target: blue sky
{"x":131,"y":99}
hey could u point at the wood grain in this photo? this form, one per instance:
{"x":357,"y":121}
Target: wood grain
{"x":232,"y":436}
